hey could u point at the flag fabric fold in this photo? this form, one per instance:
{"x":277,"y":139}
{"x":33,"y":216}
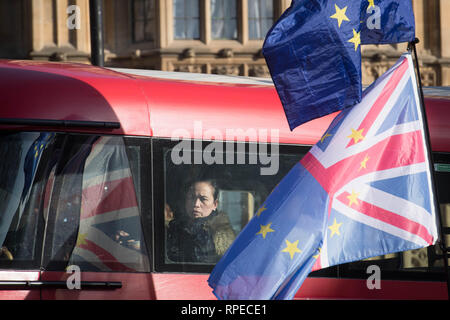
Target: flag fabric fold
{"x":108,"y":207}
{"x":363,"y":190}
{"x":314,"y":55}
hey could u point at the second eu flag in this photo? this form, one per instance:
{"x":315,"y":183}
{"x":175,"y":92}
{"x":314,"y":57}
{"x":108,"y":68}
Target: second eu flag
{"x":314,"y":51}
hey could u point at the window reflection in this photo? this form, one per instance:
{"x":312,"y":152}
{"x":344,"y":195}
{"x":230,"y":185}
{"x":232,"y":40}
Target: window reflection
{"x":207,"y":205}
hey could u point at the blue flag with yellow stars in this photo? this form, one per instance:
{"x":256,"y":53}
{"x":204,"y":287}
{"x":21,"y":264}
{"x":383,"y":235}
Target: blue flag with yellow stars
{"x":32,"y":160}
{"x":314,"y":51}
{"x":363,"y":190}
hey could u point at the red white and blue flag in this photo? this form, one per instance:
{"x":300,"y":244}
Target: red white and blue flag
{"x":380,"y":178}
{"x":363,"y":190}
{"x":109,"y":210}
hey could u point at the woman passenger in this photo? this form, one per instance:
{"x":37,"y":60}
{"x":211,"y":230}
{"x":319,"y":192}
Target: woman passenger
{"x":201,"y":233}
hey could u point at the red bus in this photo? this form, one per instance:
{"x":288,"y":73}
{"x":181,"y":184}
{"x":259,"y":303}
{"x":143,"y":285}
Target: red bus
{"x":95,"y":164}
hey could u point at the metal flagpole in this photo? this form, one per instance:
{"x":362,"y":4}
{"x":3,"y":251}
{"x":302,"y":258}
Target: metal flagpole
{"x":442,"y":242}
{"x":96,"y":21}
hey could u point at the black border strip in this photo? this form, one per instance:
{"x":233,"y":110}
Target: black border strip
{"x":60,"y":123}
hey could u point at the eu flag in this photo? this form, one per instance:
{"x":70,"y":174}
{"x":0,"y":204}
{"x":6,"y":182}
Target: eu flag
{"x":363,"y":190}
{"x":314,"y":51}
{"x":387,"y":21}
{"x":32,"y":160}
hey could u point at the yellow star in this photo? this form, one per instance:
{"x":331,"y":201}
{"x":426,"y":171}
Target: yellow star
{"x":363,"y":163}
{"x":81,"y":239}
{"x":326,"y":135}
{"x":291,"y":248}
{"x":353,"y":198}
{"x":371,"y":4}
{"x":335,"y":228}
{"x":260,"y":210}
{"x":356,"y":135}
{"x":265,"y":229}
{"x":340,"y":15}
{"x":356,"y":40}
{"x":318,"y":254}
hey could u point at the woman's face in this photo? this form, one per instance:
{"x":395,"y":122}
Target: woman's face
{"x":200,"y":200}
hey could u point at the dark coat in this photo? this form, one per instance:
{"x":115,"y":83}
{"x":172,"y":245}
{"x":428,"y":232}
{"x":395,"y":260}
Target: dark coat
{"x":199,"y":240}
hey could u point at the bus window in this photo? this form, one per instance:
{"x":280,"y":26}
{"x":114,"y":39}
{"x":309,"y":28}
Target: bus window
{"x":418,"y":264}
{"x":22,"y":186}
{"x":442,"y":176}
{"x":93,"y":213}
{"x":201,"y":207}
{"x":240,"y":206}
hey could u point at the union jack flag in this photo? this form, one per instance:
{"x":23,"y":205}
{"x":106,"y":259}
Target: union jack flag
{"x":373,"y":164}
{"x":363,"y":190}
{"x":109,"y":235}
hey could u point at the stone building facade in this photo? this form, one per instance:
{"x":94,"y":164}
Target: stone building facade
{"x":209,"y":36}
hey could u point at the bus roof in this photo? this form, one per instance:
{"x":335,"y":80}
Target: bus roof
{"x":168,"y":104}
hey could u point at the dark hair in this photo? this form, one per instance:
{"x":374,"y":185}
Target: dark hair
{"x":213,"y":184}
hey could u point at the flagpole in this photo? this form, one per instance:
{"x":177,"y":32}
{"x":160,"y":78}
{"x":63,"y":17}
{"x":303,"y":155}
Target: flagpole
{"x":442,"y":242}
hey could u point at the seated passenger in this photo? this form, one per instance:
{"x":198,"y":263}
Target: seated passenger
{"x":201,"y":233}
{"x":168,"y":215}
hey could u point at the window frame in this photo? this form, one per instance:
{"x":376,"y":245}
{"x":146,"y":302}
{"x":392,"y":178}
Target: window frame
{"x":153,"y":21}
{"x":166,"y":10}
{"x":274,"y":14}
{"x":237,"y":18}
{"x":145,"y":198}
{"x":35,"y":264}
{"x":184,"y":18}
{"x":144,"y":204}
{"x":158,"y":145}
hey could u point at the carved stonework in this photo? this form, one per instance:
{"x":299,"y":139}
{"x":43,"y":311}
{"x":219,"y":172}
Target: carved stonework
{"x":415,"y":258}
{"x":39,"y":30}
{"x":259,"y":71}
{"x":226,"y":53}
{"x":234,"y":70}
{"x":373,"y":70}
{"x":428,"y":75}
{"x":193,"y":68}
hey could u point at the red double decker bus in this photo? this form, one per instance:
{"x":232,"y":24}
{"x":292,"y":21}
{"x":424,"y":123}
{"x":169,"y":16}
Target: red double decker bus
{"x":95,"y":164}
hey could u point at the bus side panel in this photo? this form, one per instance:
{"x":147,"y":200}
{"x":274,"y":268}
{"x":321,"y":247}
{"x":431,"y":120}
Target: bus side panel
{"x":16,"y":293}
{"x":437,"y":111}
{"x":194,"y":287}
{"x":169,"y":286}
{"x":135,"y":286}
{"x":332,"y":288}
